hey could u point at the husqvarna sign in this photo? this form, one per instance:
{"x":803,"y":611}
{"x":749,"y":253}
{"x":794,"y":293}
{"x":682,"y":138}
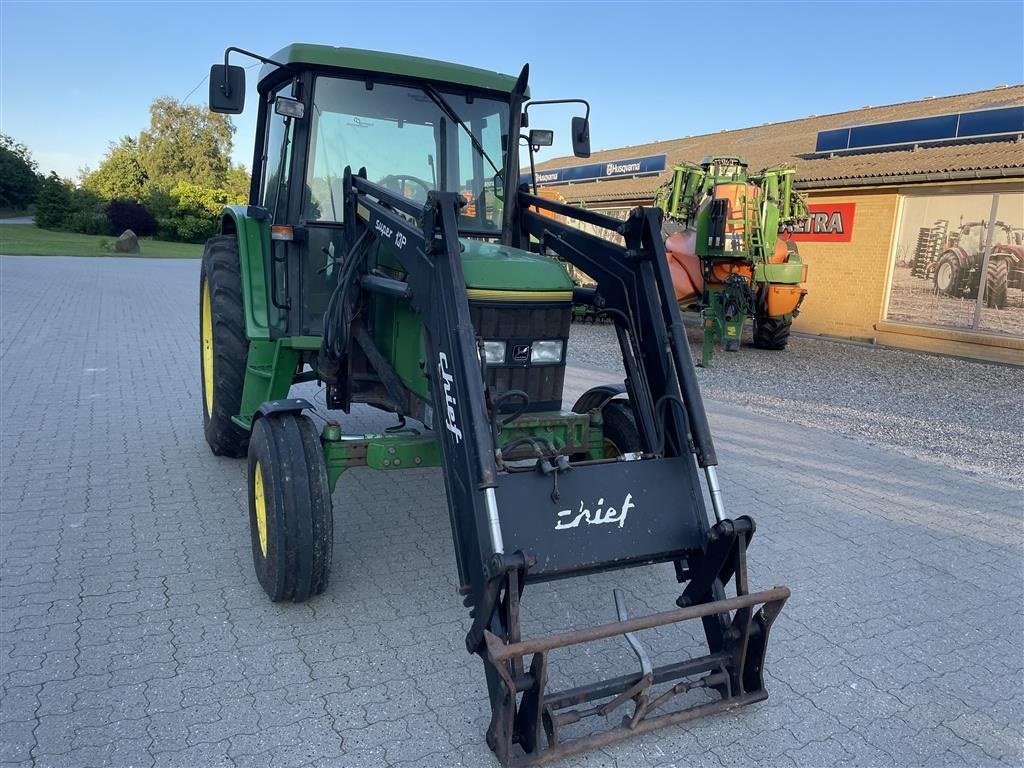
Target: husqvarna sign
{"x":633,"y":166}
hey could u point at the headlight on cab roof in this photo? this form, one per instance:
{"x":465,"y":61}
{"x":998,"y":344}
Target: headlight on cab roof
{"x":494,"y":352}
{"x":546,"y":352}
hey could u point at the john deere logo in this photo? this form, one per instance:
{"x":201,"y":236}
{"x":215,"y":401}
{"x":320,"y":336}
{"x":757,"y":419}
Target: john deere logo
{"x":520,"y":352}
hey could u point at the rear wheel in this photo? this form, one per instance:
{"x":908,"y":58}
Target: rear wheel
{"x":290,"y":519}
{"x":224,"y":346}
{"x":620,"y":433}
{"x":771,"y":332}
{"x":996,"y":283}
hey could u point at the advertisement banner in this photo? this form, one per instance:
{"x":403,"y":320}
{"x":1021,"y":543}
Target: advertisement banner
{"x":958,"y":262}
{"x":827,"y":223}
{"x":634,"y":166}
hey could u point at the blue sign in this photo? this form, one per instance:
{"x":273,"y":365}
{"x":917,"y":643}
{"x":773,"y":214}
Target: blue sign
{"x":634,"y":166}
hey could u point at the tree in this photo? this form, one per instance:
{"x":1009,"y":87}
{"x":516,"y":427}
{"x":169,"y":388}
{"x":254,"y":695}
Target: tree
{"x":186,"y":143}
{"x":237,"y":183}
{"x":54,"y":203}
{"x":19,"y":180}
{"x":120,"y":175}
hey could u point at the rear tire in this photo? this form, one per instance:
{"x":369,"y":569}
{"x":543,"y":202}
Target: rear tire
{"x":620,"y":433}
{"x":771,"y":332}
{"x":290,"y":518}
{"x":223,"y":346}
{"x":996,"y":283}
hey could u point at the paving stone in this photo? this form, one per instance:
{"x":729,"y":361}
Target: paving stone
{"x":133,"y":632}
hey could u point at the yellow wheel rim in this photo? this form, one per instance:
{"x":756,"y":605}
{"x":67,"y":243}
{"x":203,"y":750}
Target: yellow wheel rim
{"x":207,"y":333}
{"x":261,"y":509}
{"x":611,"y":450}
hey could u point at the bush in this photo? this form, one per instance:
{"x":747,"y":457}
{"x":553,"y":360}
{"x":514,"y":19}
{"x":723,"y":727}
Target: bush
{"x":89,"y":223}
{"x":186,"y":228}
{"x":124,"y":214}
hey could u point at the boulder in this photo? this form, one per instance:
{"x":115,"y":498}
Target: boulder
{"x":128,"y":242}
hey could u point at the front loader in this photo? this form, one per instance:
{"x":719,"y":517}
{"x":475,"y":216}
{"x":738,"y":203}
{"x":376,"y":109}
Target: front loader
{"x":390,"y":253}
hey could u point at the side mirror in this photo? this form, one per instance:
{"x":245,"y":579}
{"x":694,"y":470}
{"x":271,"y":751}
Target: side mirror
{"x":540,"y":138}
{"x":227,"y":89}
{"x":580,"y":137}
{"x":499,"y":185}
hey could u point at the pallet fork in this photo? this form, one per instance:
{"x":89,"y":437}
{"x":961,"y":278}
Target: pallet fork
{"x":514,"y":525}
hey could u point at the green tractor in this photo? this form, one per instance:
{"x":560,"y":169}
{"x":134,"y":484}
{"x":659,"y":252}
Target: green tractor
{"x":390,"y":254}
{"x":726,"y":256}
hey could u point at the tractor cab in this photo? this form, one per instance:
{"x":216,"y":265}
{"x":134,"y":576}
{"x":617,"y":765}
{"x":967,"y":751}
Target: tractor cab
{"x":413,"y":127}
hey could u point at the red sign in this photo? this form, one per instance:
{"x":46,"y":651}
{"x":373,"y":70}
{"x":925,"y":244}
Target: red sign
{"x":827,"y":223}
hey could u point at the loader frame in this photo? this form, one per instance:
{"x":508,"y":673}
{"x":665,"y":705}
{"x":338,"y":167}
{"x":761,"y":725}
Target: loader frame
{"x":498,"y":556}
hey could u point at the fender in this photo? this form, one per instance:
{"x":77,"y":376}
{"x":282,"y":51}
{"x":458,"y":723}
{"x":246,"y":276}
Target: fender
{"x":961,"y":255}
{"x":597,"y":397}
{"x":287,"y":405}
{"x":250,"y":225}
{"x":1012,"y":253}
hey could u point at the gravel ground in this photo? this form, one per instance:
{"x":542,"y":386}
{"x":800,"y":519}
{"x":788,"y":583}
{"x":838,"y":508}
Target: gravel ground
{"x":950,"y":411}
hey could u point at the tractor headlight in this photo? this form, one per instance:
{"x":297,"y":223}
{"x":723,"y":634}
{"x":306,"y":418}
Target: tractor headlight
{"x":494,"y":352}
{"x":546,"y":352}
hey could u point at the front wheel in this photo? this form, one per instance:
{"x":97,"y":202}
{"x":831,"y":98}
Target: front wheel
{"x":949,"y":275}
{"x":290,"y":518}
{"x":621,"y":435}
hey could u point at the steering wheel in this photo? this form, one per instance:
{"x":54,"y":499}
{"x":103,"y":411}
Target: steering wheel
{"x":395,"y":182}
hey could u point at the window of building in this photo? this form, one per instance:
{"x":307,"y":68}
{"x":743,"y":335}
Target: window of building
{"x":958,"y":262}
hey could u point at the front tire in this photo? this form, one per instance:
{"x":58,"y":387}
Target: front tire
{"x":621,"y":435}
{"x":290,"y":518}
{"x":949,"y":275}
{"x":224,"y":347}
{"x":772,"y":332}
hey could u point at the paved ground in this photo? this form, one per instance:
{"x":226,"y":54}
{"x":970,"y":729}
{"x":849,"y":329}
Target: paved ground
{"x":134,"y":633}
{"x":962,"y":414}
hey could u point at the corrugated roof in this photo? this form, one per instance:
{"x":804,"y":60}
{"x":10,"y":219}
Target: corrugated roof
{"x":792,"y":141}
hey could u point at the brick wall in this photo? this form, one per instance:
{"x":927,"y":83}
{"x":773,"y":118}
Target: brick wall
{"x":846,"y":281}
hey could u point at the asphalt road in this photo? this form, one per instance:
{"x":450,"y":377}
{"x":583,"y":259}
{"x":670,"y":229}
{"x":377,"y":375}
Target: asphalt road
{"x":133,"y":632}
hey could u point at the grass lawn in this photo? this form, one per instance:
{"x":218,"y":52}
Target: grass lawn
{"x":30,"y":240}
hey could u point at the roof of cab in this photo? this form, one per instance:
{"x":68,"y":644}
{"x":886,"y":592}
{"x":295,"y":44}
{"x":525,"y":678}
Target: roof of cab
{"x":310,"y":55}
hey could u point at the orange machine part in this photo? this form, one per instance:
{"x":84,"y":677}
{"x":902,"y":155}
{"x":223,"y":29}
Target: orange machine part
{"x":781,"y":255}
{"x":549,"y":193}
{"x":783,"y":299}
{"x":735,"y":194}
{"x":684,"y":266}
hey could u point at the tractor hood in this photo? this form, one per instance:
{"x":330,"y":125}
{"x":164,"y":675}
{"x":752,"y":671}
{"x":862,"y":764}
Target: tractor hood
{"x":498,"y":272}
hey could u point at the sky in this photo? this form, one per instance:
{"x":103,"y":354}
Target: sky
{"x":75,"y":76}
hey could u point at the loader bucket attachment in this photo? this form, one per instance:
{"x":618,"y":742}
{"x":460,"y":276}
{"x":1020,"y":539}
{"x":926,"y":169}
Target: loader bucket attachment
{"x":733,"y":672}
{"x":524,"y":713}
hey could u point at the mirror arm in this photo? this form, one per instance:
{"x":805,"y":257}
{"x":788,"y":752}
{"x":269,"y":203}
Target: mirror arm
{"x":533,"y":169}
{"x":584,"y":102}
{"x":226,"y":86}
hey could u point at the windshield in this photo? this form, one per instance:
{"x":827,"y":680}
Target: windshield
{"x":408,"y":143}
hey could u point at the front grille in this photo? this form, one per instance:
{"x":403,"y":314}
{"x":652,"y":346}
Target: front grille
{"x":523,"y":324}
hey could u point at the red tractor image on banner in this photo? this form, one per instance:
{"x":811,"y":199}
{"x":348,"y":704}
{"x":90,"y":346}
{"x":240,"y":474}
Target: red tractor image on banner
{"x":957,"y":272}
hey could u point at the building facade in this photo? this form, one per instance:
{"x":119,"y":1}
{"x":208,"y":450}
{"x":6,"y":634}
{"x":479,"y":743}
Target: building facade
{"x":906,"y":201}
